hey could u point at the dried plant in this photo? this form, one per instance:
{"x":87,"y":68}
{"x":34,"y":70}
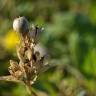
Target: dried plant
{"x":31,"y":63}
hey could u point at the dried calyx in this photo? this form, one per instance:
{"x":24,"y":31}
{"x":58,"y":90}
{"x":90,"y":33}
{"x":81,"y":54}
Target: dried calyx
{"x":31,"y":63}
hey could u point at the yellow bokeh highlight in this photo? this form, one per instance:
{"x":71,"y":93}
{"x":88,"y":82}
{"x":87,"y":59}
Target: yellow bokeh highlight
{"x":11,"y":39}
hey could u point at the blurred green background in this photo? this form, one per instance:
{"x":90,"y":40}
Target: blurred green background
{"x":70,"y":37}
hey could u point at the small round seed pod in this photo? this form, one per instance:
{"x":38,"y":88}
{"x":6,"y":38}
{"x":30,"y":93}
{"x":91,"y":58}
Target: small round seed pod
{"x":21,"y":26}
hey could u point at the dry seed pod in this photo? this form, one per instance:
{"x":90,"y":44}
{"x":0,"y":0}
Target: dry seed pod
{"x":39,"y":48}
{"x":18,"y":75}
{"x":21,"y":25}
{"x":35,"y":32}
{"x":14,"y":65}
{"x":29,"y":54}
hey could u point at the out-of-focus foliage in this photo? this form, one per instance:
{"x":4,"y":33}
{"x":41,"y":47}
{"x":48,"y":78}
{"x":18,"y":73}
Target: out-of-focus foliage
{"x":70,"y":37}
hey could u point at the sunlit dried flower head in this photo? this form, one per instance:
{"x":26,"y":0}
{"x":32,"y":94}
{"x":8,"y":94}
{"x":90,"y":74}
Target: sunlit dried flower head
{"x":31,"y":56}
{"x":21,"y":25}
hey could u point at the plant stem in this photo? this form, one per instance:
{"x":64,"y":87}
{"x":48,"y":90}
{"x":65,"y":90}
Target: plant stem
{"x":29,"y":90}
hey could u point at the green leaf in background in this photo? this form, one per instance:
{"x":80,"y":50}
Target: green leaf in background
{"x":89,"y":65}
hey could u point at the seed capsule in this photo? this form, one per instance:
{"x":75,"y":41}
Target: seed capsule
{"x":21,"y":25}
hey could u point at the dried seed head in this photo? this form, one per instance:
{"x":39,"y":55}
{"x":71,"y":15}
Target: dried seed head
{"x":21,"y":25}
{"x":32,"y":56}
{"x":35,"y":32}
